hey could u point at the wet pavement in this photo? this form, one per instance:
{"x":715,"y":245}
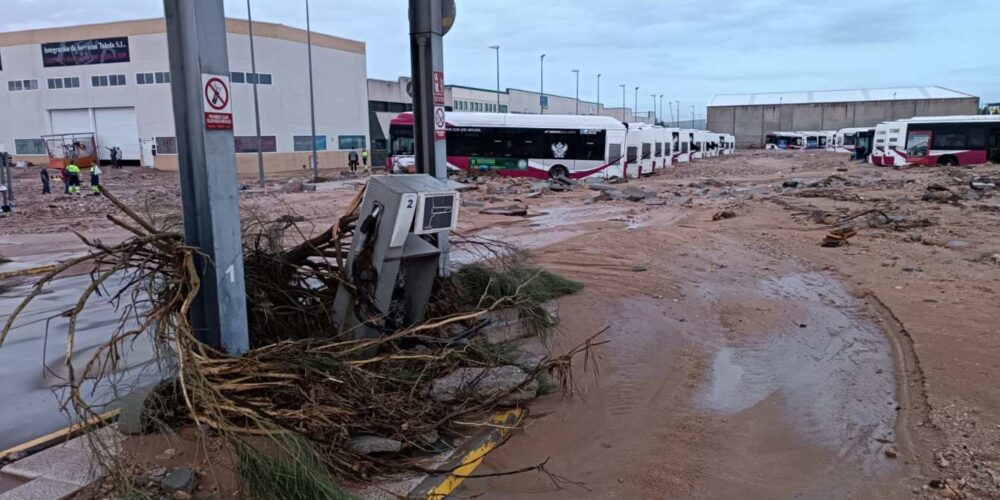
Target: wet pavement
{"x":32,"y":358}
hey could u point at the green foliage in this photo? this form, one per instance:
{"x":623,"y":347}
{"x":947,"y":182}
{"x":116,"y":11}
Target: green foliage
{"x":296,"y":473}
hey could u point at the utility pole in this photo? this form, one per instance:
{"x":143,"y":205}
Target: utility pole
{"x":672,"y":120}
{"x":256,"y":102}
{"x":206,"y":158}
{"x":577,"y":91}
{"x":661,"y":108}
{"x":598,"y":94}
{"x":312,"y":100}
{"x":692,"y":116}
{"x":678,"y":113}
{"x":497,"y":48}
{"x":541,"y":86}
{"x":429,"y":21}
{"x":654,"y":108}
{"x":623,"y":102}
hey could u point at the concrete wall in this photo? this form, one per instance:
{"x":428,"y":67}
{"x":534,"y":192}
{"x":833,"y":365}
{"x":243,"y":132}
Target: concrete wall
{"x":246,"y":163}
{"x":751,"y":124}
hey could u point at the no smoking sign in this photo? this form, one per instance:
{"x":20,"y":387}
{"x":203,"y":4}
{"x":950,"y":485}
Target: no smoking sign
{"x":218,"y":109}
{"x":440,"y":124}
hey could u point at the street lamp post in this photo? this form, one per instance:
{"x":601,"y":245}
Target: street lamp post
{"x":654,"y":107}
{"x":661,"y":109}
{"x":692,"y":116}
{"x":256,"y":102}
{"x":623,"y":102}
{"x":598,"y":94}
{"x":636,"y":110}
{"x":577,"y":90}
{"x":312,"y":100}
{"x":541,"y":85}
{"x":497,"y":48}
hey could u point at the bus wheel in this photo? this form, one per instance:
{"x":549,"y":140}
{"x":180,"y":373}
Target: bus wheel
{"x":948,"y":161}
{"x":558,"y":171}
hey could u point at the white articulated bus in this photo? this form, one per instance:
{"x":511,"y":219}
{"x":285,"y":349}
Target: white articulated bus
{"x":784,"y":140}
{"x":946,"y":140}
{"x":887,"y":135}
{"x":680,"y":145}
{"x":662,"y":156}
{"x":729,"y":144}
{"x":697,"y":144}
{"x":641,"y":137}
{"x":847,"y":138}
{"x":515,"y":145}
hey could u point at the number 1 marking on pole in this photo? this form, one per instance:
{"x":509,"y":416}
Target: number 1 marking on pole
{"x":231,"y":272}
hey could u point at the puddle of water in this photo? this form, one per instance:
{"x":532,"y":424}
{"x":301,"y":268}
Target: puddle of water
{"x":32,"y":358}
{"x":835,"y":374}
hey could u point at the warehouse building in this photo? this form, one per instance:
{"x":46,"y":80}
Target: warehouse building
{"x":113,"y":79}
{"x":750,"y":117}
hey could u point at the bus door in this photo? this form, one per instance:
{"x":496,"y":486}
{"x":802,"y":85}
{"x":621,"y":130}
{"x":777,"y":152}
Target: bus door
{"x":994,"y":151}
{"x":918,"y":145}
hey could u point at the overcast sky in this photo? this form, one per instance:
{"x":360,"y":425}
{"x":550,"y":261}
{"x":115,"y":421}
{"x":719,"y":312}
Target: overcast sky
{"x":686,"y":50}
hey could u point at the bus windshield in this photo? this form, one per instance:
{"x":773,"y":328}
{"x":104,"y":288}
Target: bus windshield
{"x":402,"y":140}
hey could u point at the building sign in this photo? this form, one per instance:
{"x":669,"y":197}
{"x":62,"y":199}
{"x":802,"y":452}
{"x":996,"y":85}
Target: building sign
{"x":440,"y":124}
{"x":218,"y":110}
{"x":439,"y":88}
{"x":83,"y":52}
{"x":543,"y":101}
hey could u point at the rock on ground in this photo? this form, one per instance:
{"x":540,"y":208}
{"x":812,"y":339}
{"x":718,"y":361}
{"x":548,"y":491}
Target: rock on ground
{"x":483,"y":384}
{"x":366,"y":445}
{"x":179,"y":479}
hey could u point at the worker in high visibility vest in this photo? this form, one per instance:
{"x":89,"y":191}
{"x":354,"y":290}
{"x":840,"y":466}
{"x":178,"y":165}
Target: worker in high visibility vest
{"x":364,"y":159}
{"x":73,"y":178}
{"x":95,"y":179}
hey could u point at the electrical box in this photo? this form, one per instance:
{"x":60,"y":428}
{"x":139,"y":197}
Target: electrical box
{"x":403,"y":223}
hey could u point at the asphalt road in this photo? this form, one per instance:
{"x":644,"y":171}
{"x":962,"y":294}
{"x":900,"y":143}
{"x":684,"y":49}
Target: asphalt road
{"x":32,"y":358}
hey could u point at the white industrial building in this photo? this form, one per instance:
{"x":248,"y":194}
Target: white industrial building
{"x":113,"y":80}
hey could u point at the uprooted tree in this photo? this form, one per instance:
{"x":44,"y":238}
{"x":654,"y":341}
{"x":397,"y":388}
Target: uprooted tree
{"x":289,"y":406}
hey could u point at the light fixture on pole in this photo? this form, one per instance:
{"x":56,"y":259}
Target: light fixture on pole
{"x":541,"y":86}
{"x":497,"y":48}
{"x":623,"y":102}
{"x":577,"y":90}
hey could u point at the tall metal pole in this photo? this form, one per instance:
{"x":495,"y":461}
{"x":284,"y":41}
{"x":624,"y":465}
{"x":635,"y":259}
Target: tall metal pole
{"x":541,"y":86}
{"x":256,"y":102}
{"x":623,"y":102}
{"x":497,"y":48}
{"x":636,"y":110}
{"x":427,"y":65}
{"x":661,"y":108}
{"x":312,"y":101}
{"x":692,"y":116}
{"x":206,"y":158}
{"x":577,"y":90}
{"x":678,"y":113}
{"x":598,"y":94}
{"x":672,"y":120}
{"x":654,"y":108}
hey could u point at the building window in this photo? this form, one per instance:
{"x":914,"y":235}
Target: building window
{"x":259,"y":78}
{"x":69,"y":82}
{"x":166,"y":145}
{"x":238,"y":77}
{"x":503,"y":108}
{"x":248,"y":144}
{"x":345,"y":142}
{"x":152,"y":78}
{"x":29,"y":147}
{"x":301,"y":143}
{"x":18,"y":85}
{"x":107,"y":80}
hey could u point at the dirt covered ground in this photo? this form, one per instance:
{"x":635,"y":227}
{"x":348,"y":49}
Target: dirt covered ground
{"x":746,"y":360}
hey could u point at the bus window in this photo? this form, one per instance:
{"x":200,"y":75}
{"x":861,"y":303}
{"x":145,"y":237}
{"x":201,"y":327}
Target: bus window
{"x":918,"y":143}
{"x":647,"y":149}
{"x":633,"y":154}
{"x":614,"y":153}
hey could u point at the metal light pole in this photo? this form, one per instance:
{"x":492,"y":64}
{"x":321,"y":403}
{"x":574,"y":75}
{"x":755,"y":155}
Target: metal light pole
{"x":598,"y":94}
{"x":577,"y":90}
{"x":206,"y":159}
{"x":623,"y":102}
{"x":256,"y":102}
{"x":312,"y":101}
{"x":636,"y":110}
{"x":661,"y":108}
{"x":672,"y":120}
{"x":541,"y":86}
{"x":678,"y":113}
{"x":497,"y":48}
{"x":654,"y":107}
{"x":692,"y":116}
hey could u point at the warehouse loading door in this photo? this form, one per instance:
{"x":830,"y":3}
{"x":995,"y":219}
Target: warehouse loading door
{"x":118,"y":127}
{"x":71,"y":121}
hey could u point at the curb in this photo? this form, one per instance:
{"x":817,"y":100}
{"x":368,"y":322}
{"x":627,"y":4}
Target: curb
{"x":27,"y":272}
{"x":56,"y":437}
{"x":468,"y":457}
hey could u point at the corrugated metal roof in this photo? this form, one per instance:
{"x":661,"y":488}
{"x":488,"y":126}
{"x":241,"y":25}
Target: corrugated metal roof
{"x":830,"y":96}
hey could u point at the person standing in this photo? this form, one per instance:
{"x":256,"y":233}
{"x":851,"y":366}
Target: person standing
{"x":352,"y":161}
{"x":64,"y":176}
{"x":95,"y":179}
{"x":114,"y":156}
{"x":73,"y":173}
{"x":45,"y":180}
{"x":364,"y":159}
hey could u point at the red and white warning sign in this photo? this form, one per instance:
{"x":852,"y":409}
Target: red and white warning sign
{"x":440,"y":124}
{"x":218,"y":109}
{"x":439,"y":88}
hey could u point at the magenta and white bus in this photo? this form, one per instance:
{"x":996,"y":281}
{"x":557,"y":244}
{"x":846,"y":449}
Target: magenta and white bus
{"x":947,"y":140}
{"x":515,"y":145}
